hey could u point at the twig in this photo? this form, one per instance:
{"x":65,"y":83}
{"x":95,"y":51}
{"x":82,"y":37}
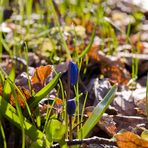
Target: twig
{"x":130,"y":55}
{"x":61,"y":20}
{"x":92,"y":140}
{"x":131,"y":118}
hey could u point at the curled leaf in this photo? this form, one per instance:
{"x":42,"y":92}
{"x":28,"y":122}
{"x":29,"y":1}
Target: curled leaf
{"x":130,"y":140}
{"x":40,"y":75}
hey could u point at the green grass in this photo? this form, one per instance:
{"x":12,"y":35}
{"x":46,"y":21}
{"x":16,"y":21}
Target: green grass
{"x":3,"y":134}
{"x":97,"y":113}
{"x":28,"y":12}
{"x":147,"y":96}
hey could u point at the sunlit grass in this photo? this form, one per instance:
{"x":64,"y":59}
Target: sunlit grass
{"x":35,"y":127}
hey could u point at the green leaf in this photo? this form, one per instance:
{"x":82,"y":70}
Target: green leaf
{"x":7,"y":88}
{"x":97,"y":113}
{"x":86,"y":50}
{"x":44,"y":91}
{"x":9,"y":112}
{"x":37,"y":144}
{"x":144,"y":135}
{"x":55,"y":130}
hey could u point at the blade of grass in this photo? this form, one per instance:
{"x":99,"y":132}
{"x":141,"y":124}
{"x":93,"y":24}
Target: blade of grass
{"x":83,"y":108}
{"x":97,"y":113}
{"x":11,"y":84}
{"x":12,"y":90}
{"x":20,"y":115}
{"x":9,"y":112}
{"x":44,"y":91}
{"x":58,"y":24}
{"x":2,"y":4}
{"x":6,"y":46}
{"x":7,"y":88}
{"x":3,"y":134}
{"x":21,"y":8}
{"x":86,"y":50}
{"x":48,"y":115}
{"x":28,"y":12}
{"x":23,"y":98}
{"x":2,"y":79}
{"x":27,"y":67}
{"x":147,"y":96}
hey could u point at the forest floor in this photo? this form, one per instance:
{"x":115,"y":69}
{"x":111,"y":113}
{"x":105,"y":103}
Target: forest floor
{"x":101,"y":47}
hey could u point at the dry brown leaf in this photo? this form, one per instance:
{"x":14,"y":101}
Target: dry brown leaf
{"x":130,"y":140}
{"x":141,"y":107}
{"x":25,"y":92}
{"x":108,"y":125}
{"x":110,"y":67}
{"x":41,"y":74}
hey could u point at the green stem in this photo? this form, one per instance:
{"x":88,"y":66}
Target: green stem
{"x":58,"y":24}
{"x":3,"y":134}
{"x":70,"y":128}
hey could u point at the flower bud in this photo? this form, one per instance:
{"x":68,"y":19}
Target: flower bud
{"x":73,"y":73}
{"x":71,"y":106}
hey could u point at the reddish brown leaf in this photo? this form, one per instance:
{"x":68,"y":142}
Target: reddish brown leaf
{"x":41,"y":74}
{"x":25,"y":92}
{"x":58,"y":105}
{"x":130,"y":140}
{"x":141,"y":107}
{"x":115,"y":73}
{"x":108,"y":125}
{"x":110,"y":67}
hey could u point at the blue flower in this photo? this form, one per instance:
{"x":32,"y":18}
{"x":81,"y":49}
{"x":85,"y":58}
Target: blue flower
{"x":71,"y":106}
{"x":73,"y":73}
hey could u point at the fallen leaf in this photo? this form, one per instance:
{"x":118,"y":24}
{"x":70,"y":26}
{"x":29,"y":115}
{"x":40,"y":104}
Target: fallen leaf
{"x":58,"y":105}
{"x":108,"y":125}
{"x":111,"y":67}
{"x":25,"y":92}
{"x":41,"y":74}
{"x":130,"y":140}
{"x":115,"y":74}
{"x":141,"y":107}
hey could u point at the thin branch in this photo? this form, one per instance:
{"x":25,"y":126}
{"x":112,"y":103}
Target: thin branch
{"x":92,"y":140}
{"x":130,"y":55}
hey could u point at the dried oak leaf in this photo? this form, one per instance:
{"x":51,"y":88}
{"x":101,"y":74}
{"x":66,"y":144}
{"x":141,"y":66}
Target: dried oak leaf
{"x":130,"y":140}
{"x":26,"y":95}
{"x":40,"y":76}
{"x":110,"y":67}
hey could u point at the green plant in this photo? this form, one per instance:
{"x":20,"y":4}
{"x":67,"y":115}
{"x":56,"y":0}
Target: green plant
{"x":97,"y":113}
{"x":147,"y":96}
{"x":28,"y":12}
{"x":15,"y":116}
